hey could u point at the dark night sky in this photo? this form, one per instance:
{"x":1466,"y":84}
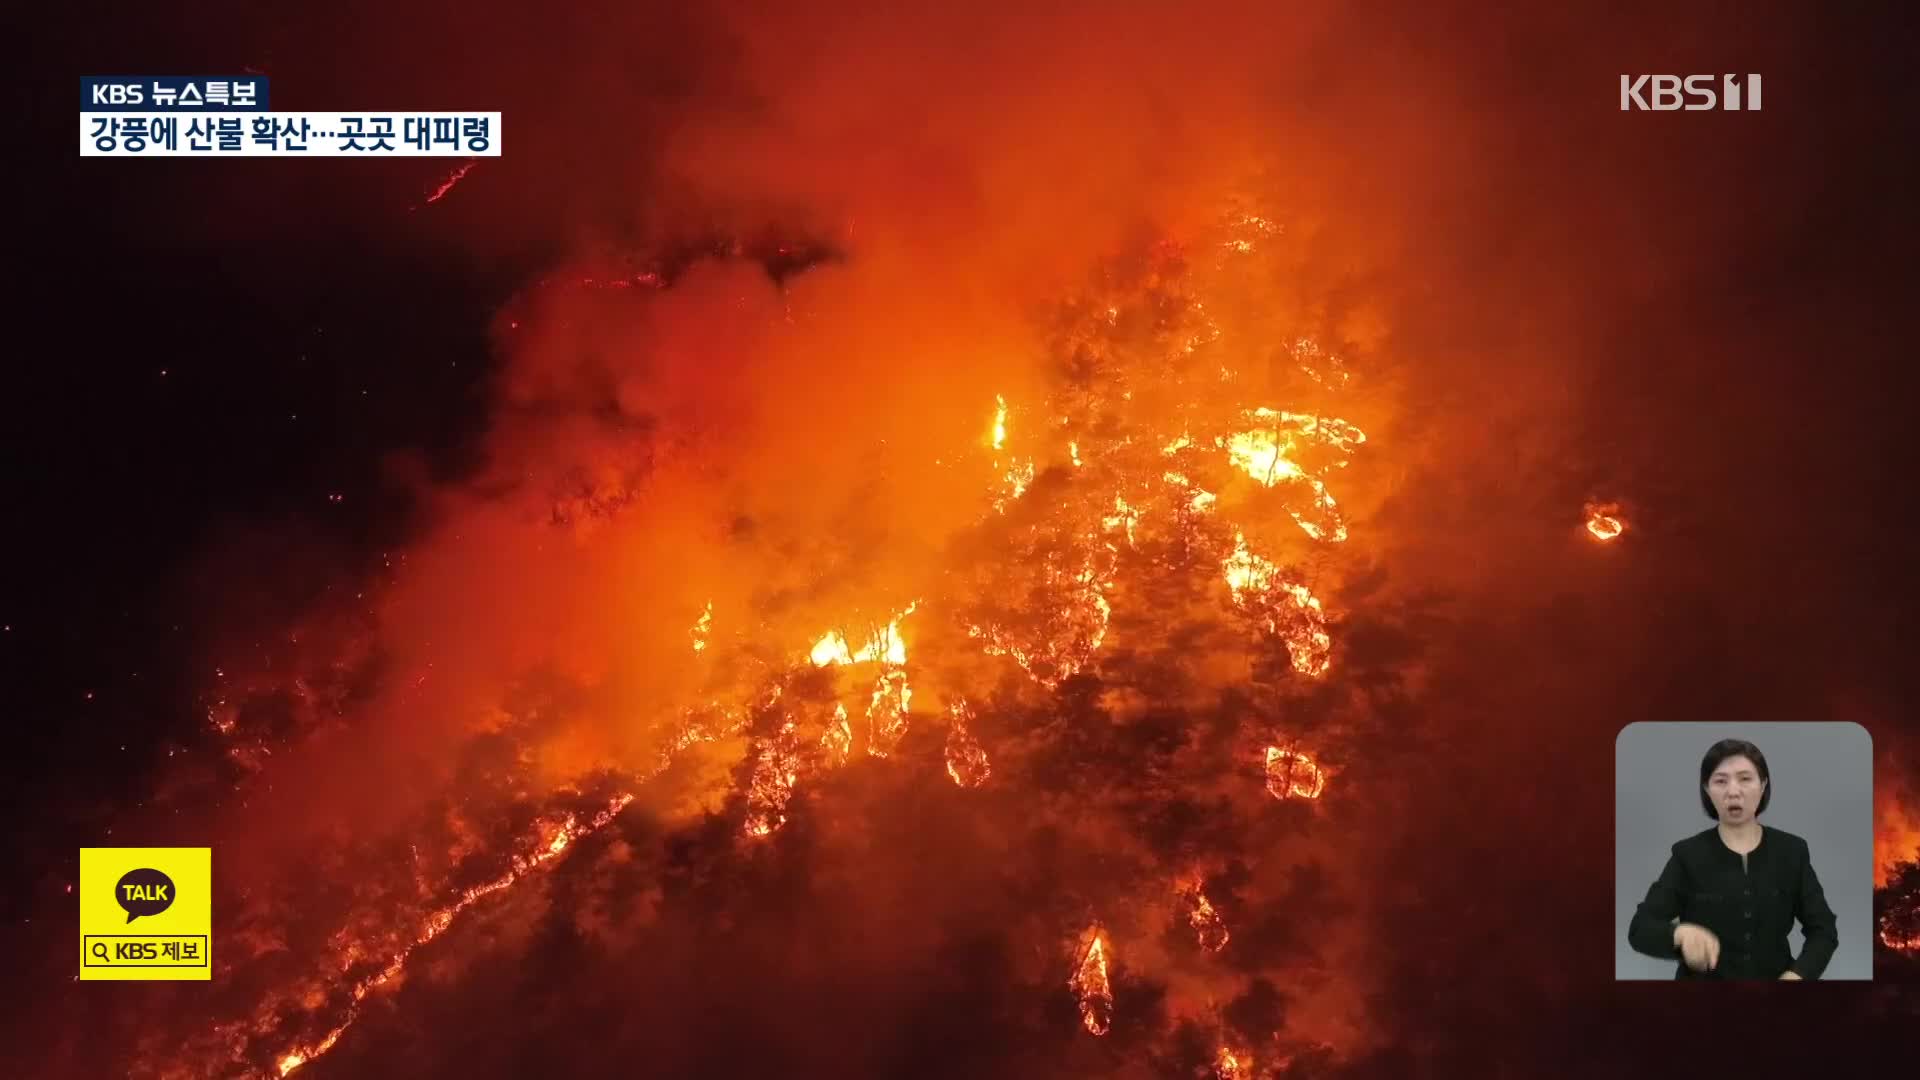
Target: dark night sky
{"x":205,"y":352}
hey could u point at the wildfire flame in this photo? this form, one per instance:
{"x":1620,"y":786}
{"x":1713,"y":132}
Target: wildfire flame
{"x":1335,"y":376}
{"x":1899,"y":924}
{"x":1283,"y":608}
{"x":772,"y":785}
{"x":701,"y":628}
{"x":887,"y":713}
{"x":966,"y":760}
{"x":1069,"y":634}
{"x":1603,"y":520}
{"x":1123,"y":516}
{"x":837,"y":741}
{"x":1896,"y":840}
{"x":1266,"y":454}
{"x":1899,"y":942}
{"x":1199,"y":499}
{"x":1208,"y":927}
{"x":1018,"y":479}
{"x":884,"y":646}
{"x":570,"y":829}
{"x":1089,"y":984}
{"x":1052,"y":632}
{"x":452,"y":178}
{"x":1293,"y":774}
{"x":700,"y":725}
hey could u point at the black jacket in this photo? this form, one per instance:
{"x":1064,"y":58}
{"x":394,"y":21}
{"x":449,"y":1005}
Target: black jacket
{"x":1750,"y":908}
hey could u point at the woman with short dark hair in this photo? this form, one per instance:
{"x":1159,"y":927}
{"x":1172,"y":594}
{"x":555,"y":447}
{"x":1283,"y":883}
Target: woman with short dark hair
{"x":1729,"y":895}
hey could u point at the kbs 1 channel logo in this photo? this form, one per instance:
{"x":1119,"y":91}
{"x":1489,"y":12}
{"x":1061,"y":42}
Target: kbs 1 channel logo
{"x":146,"y":913}
{"x":230,"y":116}
{"x":1689,"y":93}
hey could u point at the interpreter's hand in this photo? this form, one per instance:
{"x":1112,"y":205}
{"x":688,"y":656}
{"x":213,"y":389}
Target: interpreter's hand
{"x":1698,"y":946}
{"x":1790,"y":975}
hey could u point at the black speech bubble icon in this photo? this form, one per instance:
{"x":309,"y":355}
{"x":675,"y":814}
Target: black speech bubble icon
{"x":144,"y":892}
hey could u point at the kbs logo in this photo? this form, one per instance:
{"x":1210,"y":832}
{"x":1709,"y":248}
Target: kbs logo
{"x":1694,"y":93}
{"x":117,"y":94}
{"x":169,"y":891}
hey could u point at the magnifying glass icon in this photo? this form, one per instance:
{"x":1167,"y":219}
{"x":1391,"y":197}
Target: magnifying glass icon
{"x":99,"y":950}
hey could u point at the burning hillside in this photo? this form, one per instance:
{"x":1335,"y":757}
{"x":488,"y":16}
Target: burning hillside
{"x":1149,"y":469}
{"x":1026,"y":543}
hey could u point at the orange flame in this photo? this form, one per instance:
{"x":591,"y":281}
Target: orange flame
{"x":1209,"y":928}
{"x":966,"y":760}
{"x":1898,"y":869}
{"x":772,"y":784}
{"x":887,"y":713}
{"x":1896,"y":839}
{"x":1071,"y":635}
{"x":1123,"y":516}
{"x":837,"y":741}
{"x":451,"y":179}
{"x":1603,"y":520}
{"x":1280,"y":607}
{"x":702,"y":628}
{"x":1089,"y":984}
{"x":435,"y":924}
{"x":1292,"y":774}
{"x":1019,"y":478}
{"x":1265,"y":453}
{"x":884,"y":645}
{"x":1282,"y":450}
{"x":1900,"y":942}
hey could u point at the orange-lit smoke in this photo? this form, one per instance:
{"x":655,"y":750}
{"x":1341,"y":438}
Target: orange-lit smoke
{"x":706,"y":478}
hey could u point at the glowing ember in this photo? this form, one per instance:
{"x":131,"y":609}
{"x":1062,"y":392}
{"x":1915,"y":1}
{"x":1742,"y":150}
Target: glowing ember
{"x":1247,"y":230}
{"x":702,"y":628}
{"x":887,"y":713}
{"x":1232,"y":1066}
{"x":1208,"y":927}
{"x":1123,"y":516}
{"x":772,"y":785}
{"x":1603,"y":520}
{"x":1070,"y":630}
{"x":1900,"y":942}
{"x":1018,"y":479}
{"x":1267,"y":453}
{"x":837,"y":741}
{"x":1283,"y":608}
{"x":453,"y":178}
{"x":1089,"y":984}
{"x":1292,"y":774}
{"x":1328,"y":371}
{"x":1000,"y":422}
{"x":966,"y":760}
{"x":700,"y":725}
{"x":569,"y":829}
